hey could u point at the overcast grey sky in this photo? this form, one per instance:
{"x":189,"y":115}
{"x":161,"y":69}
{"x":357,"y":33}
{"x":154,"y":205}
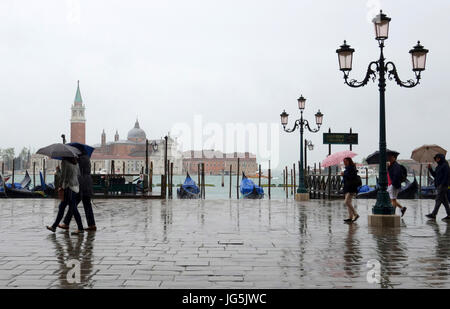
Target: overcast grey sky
{"x":229,"y":61}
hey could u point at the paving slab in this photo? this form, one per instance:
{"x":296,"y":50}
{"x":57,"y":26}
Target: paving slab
{"x":235,"y":244}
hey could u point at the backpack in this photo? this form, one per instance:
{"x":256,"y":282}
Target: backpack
{"x":404,"y":173}
{"x":358,"y":181}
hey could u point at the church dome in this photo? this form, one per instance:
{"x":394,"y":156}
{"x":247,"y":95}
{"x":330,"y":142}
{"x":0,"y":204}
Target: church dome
{"x":136,"y":134}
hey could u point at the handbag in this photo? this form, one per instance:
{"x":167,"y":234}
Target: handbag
{"x":61,"y":194}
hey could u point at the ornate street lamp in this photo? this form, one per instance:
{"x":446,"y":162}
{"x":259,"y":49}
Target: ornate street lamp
{"x":308,"y":146}
{"x":154,"y":146}
{"x":301,"y":124}
{"x":380,"y":68}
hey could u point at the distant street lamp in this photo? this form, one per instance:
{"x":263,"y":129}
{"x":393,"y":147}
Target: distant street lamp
{"x":308,"y":146}
{"x":154,"y":146}
{"x":380,"y":68}
{"x":300,"y":124}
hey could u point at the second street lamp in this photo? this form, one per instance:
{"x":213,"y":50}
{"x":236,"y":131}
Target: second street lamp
{"x":308,"y":146}
{"x":380,"y":68}
{"x":302,"y":193}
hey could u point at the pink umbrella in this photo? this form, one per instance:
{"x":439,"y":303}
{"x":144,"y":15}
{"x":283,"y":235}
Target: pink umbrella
{"x":337,"y":158}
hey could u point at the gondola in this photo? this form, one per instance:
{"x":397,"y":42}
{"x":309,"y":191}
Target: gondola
{"x":249,"y":190}
{"x":428,"y":192}
{"x":48,"y":189}
{"x":189,"y":189}
{"x":21,"y":189}
{"x":407,"y":192}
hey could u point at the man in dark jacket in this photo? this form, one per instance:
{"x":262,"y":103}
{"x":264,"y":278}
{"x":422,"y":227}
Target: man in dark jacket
{"x":441,"y":175}
{"x":85,"y":194}
{"x":394,"y":181}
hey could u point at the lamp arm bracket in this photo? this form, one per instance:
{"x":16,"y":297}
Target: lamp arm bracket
{"x":309,"y":128}
{"x":393,"y":75}
{"x":296,"y":124}
{"x":371,"y":74}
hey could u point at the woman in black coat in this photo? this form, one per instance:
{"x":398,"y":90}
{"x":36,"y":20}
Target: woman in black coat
{"x":85,"y":194}
{"x":350,"y":188}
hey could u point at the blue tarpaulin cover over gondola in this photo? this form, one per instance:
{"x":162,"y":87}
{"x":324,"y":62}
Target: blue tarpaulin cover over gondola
{"x":43,"y":185}
{"x":189,"y":189}
{"x":249,"y":189}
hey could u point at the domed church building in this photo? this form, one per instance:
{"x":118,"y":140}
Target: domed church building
{"x":131,"y":151}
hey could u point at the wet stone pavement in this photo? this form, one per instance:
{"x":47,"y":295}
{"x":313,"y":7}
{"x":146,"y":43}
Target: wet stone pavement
{"x":222,"y":244}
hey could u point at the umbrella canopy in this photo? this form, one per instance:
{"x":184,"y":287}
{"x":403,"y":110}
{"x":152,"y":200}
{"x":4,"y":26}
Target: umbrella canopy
{"x":59,"y":150}
{"x":337,"y":158}
{"x":83,"y":147}
{"x":426,"y":153}
{"x":374,"y":158}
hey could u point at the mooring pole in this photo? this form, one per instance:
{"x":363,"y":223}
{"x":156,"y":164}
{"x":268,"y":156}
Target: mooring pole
{"x":286,"y":181}
{"x":150,"y":180}
{"x":270,"y":179}
{"x":237,"y":179}
{"x":13,"y":168}
{"x":45,"y":172}
{"x":420,"y":181}
{"x":259,"y":176}
{"x":329,"y":169}
{"x":34,"y":175}
{"x":293,"y":169}
{"x":231,"y":173}
{"x":223,"y":177}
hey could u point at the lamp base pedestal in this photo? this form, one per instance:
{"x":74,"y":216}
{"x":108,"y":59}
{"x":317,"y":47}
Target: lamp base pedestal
{"x":302,"y":197}
{"x":384,"y":221}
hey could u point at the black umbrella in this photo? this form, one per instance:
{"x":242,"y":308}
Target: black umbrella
{"x":59,"y":150}
{"x":374,"y":158}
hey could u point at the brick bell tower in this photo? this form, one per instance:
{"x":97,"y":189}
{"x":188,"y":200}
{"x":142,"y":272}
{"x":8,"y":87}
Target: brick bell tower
{"x":78,"y":121}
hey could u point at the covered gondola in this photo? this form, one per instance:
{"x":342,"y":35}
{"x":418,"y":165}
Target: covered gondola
{"x":250,"y":190}
{"x":189,"y":189}
{"x":48,"y":189}
{"x":407,"y":192}
{"x":22,"y":190}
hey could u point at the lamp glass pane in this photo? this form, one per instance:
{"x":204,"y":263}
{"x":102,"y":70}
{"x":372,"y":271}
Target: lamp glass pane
{"x":419,"y":60}
{"x":319,"y":119}
{"x":382,"y":29}
{"x":301,"y":104}
{"x":345,"y":60}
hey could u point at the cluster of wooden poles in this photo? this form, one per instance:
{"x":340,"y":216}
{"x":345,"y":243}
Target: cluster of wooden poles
{"x":44,"y":170}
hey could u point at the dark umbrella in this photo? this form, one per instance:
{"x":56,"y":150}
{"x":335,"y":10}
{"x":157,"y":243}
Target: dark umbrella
{"x":374,"y":158}
{"x":59,"y":150}
{"x":83,"y":148}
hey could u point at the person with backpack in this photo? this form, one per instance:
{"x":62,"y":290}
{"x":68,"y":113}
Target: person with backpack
{"x":441,"y":180}
{"x":396,"y":175}
{"x":351,"y":183}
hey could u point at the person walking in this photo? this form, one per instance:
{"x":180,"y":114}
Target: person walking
{"x":350,"y":176}
{"x":395,"y":182}
{"x":68,"y":183}
{"x":441,"y":181}
{"x":84,"y":195}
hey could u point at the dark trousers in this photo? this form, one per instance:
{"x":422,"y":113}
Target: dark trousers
{"x":69,"y":199}
{"x":87,"y":205}
{"x":441,"y":198}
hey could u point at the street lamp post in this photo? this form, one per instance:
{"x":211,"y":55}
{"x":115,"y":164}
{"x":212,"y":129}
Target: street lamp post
{"x":302,"y":193}
{"x":380,"y":67}
{"x":308,"y":146}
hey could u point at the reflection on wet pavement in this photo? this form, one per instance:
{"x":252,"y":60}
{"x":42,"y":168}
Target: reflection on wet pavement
{"x":222,"y":244}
